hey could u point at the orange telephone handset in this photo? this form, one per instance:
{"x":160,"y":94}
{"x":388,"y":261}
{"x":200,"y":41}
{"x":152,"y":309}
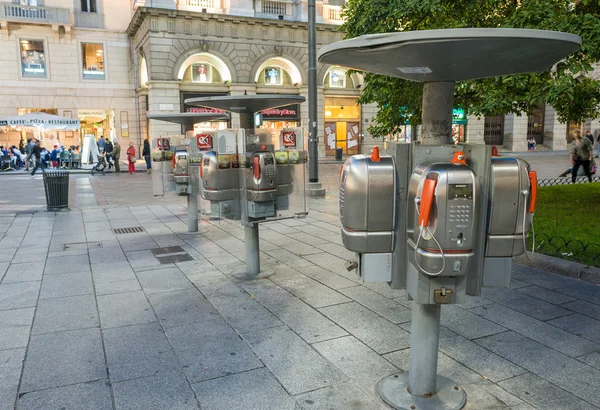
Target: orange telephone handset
{"x":256,"y":163}
{"x":534,"y":185}
{"x":173,"y":161}
{"x":427,"y":198}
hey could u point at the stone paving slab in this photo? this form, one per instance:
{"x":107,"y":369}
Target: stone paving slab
{"x":165,"y":391}
{"x":61,"y":314}
{"x":542,"y":332}
{"x":297,"y":367}
{"x":124,"y":309}
{"x":11,"y":364}
{"x":150,"y":355}
{"x":15,"y":327}
{"x":561,"y":370}
{"x":254,"y":390}
{"x":54,"y":360}
{"x":19,"y":295}
{"x":181,"y":308}
{"x":91,"y":395}
{"x":339,"y":396}
{"x":211,"y":349}
{"x":373,"y":330}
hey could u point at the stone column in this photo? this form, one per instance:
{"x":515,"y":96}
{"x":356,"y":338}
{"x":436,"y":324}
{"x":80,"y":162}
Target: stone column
{"x":475,"y":130}
{"x":240,"y":89}
{"x":515,"y":132}
{"x":163,"y":97}
{"x":555,"y":133}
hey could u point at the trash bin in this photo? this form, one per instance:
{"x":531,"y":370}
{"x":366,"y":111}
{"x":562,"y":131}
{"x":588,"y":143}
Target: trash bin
{"x":338,"y":154}
{"x":56,"y":185}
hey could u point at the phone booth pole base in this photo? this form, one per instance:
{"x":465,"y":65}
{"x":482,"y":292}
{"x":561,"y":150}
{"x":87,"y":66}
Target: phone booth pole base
{"x":394,"y":391}
{"x":192,"y":219}
{"x":252,"y":270}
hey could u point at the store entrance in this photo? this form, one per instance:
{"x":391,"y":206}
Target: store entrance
{"x":342,"y":125}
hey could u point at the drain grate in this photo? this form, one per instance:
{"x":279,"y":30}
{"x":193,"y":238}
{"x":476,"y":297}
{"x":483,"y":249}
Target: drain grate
{"x":135,"y":229}
{"x":171,"y":254}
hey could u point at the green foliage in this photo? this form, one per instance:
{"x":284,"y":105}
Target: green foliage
{"x":569,"y":87}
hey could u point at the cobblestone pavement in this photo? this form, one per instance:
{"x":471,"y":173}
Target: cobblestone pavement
{"x":92,"y":319}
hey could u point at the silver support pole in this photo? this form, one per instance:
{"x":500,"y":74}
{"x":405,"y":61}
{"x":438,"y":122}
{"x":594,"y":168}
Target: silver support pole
{"x":252,"y":250}
{"x":424,"y":342}
{"x":193,"y":199}
{"x":313,"y":136}
{"x":438,"y":99}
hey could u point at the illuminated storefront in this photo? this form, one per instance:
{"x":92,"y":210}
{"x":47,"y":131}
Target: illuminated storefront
{"x":342,"y":125}
{"x":282,"y":117}
{"x":204,"y":126}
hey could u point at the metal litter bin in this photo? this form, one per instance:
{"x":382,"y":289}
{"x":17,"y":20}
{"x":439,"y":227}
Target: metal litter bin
{"x":338,"y":154}
{"x":56,"y":185}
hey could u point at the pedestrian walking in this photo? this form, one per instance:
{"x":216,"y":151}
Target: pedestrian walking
{"x":598,"y":145}
{"x":146,"y":155}
{"x":581,"y":155}
{"x":108,"y":147}
{"x":28,"y":152}
{"x":101,"y":144}
{"x":589,"y":136}
{"x":37,"y":158}
{"x":131,"y":158}
{"x":115,"y":153}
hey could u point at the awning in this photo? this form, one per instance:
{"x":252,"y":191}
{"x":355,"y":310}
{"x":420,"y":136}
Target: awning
{"x":40,"y":120}
{"x":188,"y":119}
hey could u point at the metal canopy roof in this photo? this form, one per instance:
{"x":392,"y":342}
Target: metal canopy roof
{"x":453,"y":54}
{"x":188,"y":119}
{"x":246,"y":104}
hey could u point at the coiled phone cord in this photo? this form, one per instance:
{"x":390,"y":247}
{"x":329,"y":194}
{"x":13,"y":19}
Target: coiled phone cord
{"x":421,"y":229}
{"x":526,"y":194}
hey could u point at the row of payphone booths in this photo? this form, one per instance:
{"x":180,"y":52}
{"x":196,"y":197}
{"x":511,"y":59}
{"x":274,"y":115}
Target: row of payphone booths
{"x":241,"y":174}
{"x":440,"y":221}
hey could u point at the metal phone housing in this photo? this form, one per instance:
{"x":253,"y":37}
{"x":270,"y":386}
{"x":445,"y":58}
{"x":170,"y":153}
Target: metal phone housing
{"x":508,"y":204}
{"x":452,"y":219}
{"x":367,"y":204}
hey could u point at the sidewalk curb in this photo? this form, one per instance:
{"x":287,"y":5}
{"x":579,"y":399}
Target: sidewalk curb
{"x":563,"y":267}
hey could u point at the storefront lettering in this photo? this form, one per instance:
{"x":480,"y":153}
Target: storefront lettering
{"x":205,"y":110}
{"x":281,"y":113}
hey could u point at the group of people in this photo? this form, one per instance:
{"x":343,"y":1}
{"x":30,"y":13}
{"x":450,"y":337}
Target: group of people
{"x":113,"y":151}
{"x":32,"y":155}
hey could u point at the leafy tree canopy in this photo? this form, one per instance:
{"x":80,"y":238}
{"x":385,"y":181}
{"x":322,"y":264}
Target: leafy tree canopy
{"x":570,"y":87}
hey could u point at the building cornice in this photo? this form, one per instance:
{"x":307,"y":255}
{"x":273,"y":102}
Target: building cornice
{"x":144,"y":12}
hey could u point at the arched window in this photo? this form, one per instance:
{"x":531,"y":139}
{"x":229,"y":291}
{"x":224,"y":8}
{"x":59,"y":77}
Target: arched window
{"x":204,"y":68}
{"x":143,"y":72}
{"x":337,"y":77}
{"x":278,"y":71}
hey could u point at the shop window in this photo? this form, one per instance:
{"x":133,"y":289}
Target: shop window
{"x":493,"y":130}
{"x":535,"y":124}
{"x":273,"y":76}
{"x":33,"y":59}
{"x":88,"y":6}
{"x":337,"y":78}
{"x":571,"y":127}
{"x":93,"y":61}
{"x":201,"y":73}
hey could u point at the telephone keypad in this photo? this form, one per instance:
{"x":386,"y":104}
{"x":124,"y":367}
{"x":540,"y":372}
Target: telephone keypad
{"x":460,"y":214}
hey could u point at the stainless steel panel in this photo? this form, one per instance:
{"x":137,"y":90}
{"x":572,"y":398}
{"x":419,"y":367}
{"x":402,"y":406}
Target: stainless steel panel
{"x":354,"y":193}
{"x":504,"y":197}
{"x":368,"y":242}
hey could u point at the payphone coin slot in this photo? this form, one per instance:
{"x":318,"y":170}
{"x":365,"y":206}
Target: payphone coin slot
{"x":442,"y":296}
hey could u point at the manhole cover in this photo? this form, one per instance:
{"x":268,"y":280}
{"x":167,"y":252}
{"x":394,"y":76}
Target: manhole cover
{"x":171,"y":254}
{"x":135,"y":229}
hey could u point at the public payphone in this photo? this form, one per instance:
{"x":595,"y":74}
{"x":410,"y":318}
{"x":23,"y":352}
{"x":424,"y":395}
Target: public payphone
{"x":368,"y":213}
{"x":443,"y":217}
{"x":181,"y":170}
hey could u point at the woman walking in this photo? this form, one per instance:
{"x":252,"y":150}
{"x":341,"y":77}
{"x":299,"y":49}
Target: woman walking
{"x":146,"y":155}
{"x":131,"y":158}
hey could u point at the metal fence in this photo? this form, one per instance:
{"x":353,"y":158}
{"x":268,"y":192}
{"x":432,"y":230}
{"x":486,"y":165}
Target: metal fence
{"x":570,"y":249}
{"x":565,"y":180}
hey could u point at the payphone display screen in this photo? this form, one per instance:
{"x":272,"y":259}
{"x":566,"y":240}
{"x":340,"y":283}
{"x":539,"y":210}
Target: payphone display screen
{"x":460,"y":191}
{"x":269,"y":161}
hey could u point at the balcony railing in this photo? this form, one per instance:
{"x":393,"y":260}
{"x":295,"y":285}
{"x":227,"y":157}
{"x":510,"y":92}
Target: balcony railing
{"x":332,"y":13}
{"x":274,"y":7}
{"x":34,"y":14}
{"x":205,"y":4}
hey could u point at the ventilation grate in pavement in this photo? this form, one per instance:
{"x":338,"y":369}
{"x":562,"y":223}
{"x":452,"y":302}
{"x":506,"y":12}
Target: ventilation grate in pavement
{"x":171,"y":254}
{"x":81,"y":246}
{"x":135,"y":229}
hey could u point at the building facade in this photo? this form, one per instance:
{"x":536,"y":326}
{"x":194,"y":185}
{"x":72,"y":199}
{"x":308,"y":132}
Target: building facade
{"x":110,"y":62}
{"x":69,"y":58}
